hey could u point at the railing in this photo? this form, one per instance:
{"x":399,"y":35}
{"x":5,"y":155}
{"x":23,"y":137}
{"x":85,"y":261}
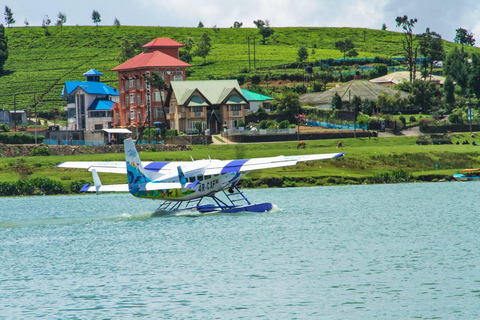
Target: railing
{"x":334,"y":125}
{"x":73,"y":142}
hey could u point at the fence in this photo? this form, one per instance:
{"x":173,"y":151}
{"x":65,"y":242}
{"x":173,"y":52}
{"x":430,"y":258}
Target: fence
{"x":335,"y":126}
{"x":73,"y":142}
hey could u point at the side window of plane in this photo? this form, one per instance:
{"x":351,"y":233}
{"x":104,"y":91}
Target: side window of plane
{"x":191,"y":179}
{"x":200,"y":178}
{"x":207,"y":177}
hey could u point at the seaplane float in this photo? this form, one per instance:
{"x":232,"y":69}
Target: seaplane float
{"x":203,"y":185}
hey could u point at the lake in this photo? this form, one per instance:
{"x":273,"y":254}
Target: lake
{"x":346,"y":252}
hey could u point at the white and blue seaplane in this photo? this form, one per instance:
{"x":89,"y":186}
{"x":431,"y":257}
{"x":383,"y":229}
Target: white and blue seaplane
{"x":184,"y":185}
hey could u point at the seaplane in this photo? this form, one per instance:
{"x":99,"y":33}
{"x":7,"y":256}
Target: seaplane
{"x":203,"y":185}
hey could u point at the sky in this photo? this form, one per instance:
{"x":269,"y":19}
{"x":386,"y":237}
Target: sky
{"x":441,"y":16}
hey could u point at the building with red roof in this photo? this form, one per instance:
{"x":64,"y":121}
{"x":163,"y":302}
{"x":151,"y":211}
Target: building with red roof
{"x":136,"y":95}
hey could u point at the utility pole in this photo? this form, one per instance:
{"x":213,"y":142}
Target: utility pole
{"x":254,"y":58}
{"x":249,"y":63}
{"x":36,"y":116}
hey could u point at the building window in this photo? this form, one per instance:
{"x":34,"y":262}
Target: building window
{"x":98,"y":126}
{"x":235,"y":107}
{"x":125,"y":83}
{"x":177,"y":77}
{"x":158,"y":113}
{"x":197,"y":109}
{"x":132,"y":82}
{"x":132,"y":98}
{"x":132,"y":114}
{"x":138,"y":84}
{"x":139,"y":116}
{"x":139,"y":99}
{"x":156,"y":96}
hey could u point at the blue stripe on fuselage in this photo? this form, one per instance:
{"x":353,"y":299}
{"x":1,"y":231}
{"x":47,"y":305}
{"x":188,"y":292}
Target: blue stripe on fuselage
{"x":156,"y":166}
{"x":234,"y":166}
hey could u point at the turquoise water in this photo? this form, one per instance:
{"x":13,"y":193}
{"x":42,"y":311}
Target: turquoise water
{"x":384,"y":251}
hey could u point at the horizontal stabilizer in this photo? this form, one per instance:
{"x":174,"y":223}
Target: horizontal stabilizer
{"x":107,"y":188}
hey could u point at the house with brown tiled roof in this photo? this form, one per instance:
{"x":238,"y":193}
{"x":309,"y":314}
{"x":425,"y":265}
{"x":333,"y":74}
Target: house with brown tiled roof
{"x":137,"y":98}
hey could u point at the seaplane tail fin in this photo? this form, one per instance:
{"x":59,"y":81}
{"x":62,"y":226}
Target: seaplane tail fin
{"x":137,"y":175}
{"x":181,"y":176}
{"x":96,"y":180}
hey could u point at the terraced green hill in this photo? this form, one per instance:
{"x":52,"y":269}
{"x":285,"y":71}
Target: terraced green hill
{"x":40,"y":63}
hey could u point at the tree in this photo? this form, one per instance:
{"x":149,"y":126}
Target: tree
{"x":116,"y":22}
{"x":431,"y":47}
{"x":367,"y":107}
{"x":336,"y":102}
{"x":259,"y":23}
{"x":457,"y":67}
{"x":158,"y":82}
{"x":127,"y":51}
{"x":265,"y":31}
{"x":464,"y":38}
{"x":9,"y":17}
{"x":287,"y":103}
{"x":426,"y":95}
{"x":45,"y":24}
{"x":237,"y":24}
{"x":186,"y":53}
{"x":26,"y":22}
{"x":3,"y":48}
{"x":203,"y":46}
{"x":302,"y":54}
{"x":96,"y":18}
{"x":449,"y":89}
{"x":408,"y":42}
{"x":344,"y":46}
{"x":384,"y":27}
{"x":200,"y":24}
{"x":61,"y":19}
{"x":474,"y":76}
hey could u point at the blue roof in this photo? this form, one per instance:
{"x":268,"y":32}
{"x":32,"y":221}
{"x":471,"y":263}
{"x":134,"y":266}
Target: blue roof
{"x":93,"y":72}
{"x":101,"y":104}
{"x":90,"y":87}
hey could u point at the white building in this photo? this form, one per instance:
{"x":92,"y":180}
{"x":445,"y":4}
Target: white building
{"x":89,"y":103}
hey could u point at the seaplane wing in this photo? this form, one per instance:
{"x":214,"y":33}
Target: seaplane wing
{"x":246,"y":165}
{"x":99,"y":166}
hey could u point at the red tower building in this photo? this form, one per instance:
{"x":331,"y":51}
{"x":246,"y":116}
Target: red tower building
{"x":136,"y":95}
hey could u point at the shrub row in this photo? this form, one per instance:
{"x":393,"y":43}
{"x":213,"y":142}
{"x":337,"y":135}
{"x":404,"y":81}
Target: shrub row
{"x":38,"y":186}
{"x":19,"y":138}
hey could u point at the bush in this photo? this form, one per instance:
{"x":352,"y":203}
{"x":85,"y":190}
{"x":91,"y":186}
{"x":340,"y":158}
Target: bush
{"x":41,"y":151}
{"x":21,"y":138}
{"x":403,"y":120}
{"x":171,"y":133}
{"x":284,"y":124}
{"x":4,"y":127}
{"x":412,"y":119}
{"x":75,"y":186}
{"x":262,"y":124}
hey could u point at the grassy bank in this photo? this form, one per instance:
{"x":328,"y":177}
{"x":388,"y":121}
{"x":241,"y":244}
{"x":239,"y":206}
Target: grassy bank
{"x":366,"y":161}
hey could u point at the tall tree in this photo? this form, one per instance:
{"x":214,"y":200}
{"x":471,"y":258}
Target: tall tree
{"x":474,"y":75}
{"x":96,"y":17}
{"x":116,"y":22}
{"x":431,"y":47}
{"x":127,"y":50}
{"x":200,"y":25}
{"x":158,"y":82}
{"x":464,"y":38}
{"x":237,"y":24}
{"x":9,"y":17}
{"x":384,"y":27}
{"x":287,"y":103}
{"x":3,"y":48}
{"x":449,"y":90}
{"x":457,"y":67}
{"x":203,"y":47}
{"x":302,"y":54}
{"x":344,"y":46}
{"x":61,"y":19}
{"x":259,"y":23}
{"x":407,"y":26}
{"x":336,"y":102}
{"x":45,"y":24}
{"x":265,"y":30}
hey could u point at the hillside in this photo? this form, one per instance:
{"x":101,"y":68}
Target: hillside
{"x":41,"y":64}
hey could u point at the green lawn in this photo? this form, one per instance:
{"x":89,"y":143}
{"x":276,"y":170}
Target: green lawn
{"x":364,"y":158}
